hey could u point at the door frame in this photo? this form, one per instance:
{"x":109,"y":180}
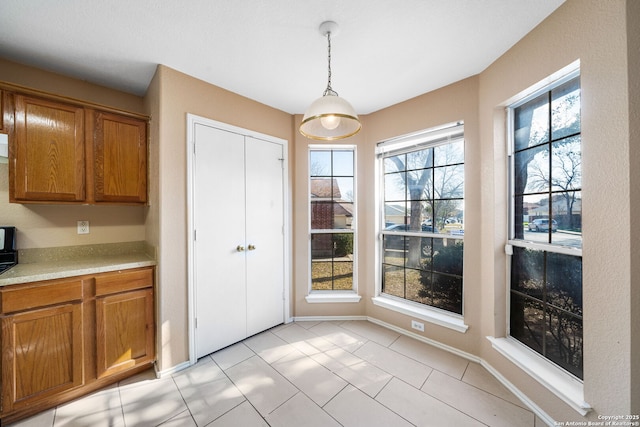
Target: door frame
{"x":192,"y":121}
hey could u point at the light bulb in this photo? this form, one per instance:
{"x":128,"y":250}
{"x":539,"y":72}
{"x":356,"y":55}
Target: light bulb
{"x":330,"y":122}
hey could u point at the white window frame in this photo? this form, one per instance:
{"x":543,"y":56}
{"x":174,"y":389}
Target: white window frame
{"x":560,"y":382}
{"x":334,"y":296}
{"x":426,"y":138}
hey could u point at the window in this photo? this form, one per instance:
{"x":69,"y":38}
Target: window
{"x":422,"y":214}
{"x":546,"y":224}
{"x":333,"y":218}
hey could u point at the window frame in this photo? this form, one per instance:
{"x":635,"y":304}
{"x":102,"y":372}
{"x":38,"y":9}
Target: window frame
{"x":428,"y":138}
{"x":556,"y":379}
{"x":333,"y":295}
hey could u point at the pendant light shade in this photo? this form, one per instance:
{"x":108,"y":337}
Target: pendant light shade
{"x":329,"y":117}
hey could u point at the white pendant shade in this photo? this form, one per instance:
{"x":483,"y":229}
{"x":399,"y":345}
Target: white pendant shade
{"x":329,"y":118}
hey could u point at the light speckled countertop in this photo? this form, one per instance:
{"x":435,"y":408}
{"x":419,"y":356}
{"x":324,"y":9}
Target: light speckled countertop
{"x":56,"y":263}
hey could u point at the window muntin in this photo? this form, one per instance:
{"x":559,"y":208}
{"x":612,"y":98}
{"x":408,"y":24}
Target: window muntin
{"x":422,"y":215}
{"x":546,"y":226}
{"x":332,"y":218}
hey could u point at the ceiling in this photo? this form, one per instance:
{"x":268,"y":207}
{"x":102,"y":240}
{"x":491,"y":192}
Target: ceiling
{"x":386,"y":51}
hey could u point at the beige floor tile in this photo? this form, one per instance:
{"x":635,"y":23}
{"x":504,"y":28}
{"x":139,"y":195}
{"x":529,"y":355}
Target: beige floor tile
{"x":300,"y":411}
{"x":307,"y":324}
{"x":365,"y":377}
{"x":398,"y":365}
{"x":313,"y":379}
{"x":339,"y":336}
{"x":336,"y":359}
{"x":421,"y":409}
{"x":479,"y":377}
{"x":232,"y":355}
{"x":207,"y":391}
{"x":431,"y":356}
{"x":151,"y":402}
{"x":303,"y":340}
{"x":353,"y":408}
{"x":243,"y":415}
{"x":477,"y":403}
{"x":183,"y":419}
{"x":43,"y":419}
{"x":102,"y":408}
{"x":262,"y":385}
{"x":371,"y":331}
{"x":269,"y":346}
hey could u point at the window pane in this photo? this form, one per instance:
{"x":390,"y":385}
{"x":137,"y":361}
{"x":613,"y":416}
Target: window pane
{"x":332,"y":261}
{"x":323,"y":188}
{"x":448,"y":215}
{"x":413,"y":285}
{"x":342,"y":163}
{"x":565,"y":109}
{"x":527,"y":322}
{"x":564,"y":281}
{"x":532,"y":170}
{"x":447,"y":292}
{"x":527,"y":272}
{"x":393,"y":280}
{"x":322,"y":215}
{"x":320,"y":163}
{"x":394,"y":249}
{"x":564,"y":341}
{"x":394,"y":187}
{"x":448,"y":259}
{"x":420,"y":159}
{"x":449,"y":154}
{"x":395,"y":164}
{"x":532,"y":123}
{"x":394,"y":214}
{"x":566,"y":164}
{"x":567,"y":212}
{"x":448,"y":182}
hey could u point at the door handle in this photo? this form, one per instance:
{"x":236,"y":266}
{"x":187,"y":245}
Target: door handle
{"x":251,"y":247}
{"x":240,"y":248}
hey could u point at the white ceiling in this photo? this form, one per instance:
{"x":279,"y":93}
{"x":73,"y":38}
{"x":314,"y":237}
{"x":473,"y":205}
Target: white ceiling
{"x":271,"y":51}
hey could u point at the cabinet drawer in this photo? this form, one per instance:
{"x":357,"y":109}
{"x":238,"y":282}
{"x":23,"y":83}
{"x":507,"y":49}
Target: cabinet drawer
{"x":19,"y":298}
{"x":124,"y":280}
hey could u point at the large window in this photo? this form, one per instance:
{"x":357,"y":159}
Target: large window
{"x":423,"y":218}
{"x":331,"y":197}
{"x":546,"y":225}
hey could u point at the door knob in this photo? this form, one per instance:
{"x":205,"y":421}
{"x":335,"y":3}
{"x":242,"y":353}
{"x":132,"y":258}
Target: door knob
{"x":240,"y":248}
{"x":251,"y":247}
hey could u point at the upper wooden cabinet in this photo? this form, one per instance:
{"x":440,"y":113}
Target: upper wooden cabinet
{"x":120,"y":159}
{"x":66,"y":153}
{"x":49,"y":151}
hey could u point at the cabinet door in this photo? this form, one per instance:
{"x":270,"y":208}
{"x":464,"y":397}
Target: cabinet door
{"x":49,"y":152}
{"x":125,"y":332}
{"x":42,"y":354}
{"x":120,"y":166}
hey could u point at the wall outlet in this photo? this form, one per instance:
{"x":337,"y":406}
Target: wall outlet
{"x":83,"y":227}
{"x":417,"y":325}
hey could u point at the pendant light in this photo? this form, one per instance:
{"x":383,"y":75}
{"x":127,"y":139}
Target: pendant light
{"x":329,"y":117}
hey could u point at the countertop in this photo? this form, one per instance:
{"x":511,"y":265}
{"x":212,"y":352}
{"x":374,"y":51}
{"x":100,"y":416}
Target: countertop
{"x":58,"y":263}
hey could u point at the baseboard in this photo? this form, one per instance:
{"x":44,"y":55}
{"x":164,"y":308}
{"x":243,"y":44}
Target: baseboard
{"x":172,"y":370}
{"x":327,"y":318}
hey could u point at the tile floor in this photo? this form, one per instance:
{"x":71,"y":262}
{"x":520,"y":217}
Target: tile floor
{"x":333,"y":373}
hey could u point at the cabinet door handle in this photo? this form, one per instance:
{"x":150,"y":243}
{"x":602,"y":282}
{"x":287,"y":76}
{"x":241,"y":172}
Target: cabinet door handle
{"x":251,"y":247}
{"x":240,"y":248}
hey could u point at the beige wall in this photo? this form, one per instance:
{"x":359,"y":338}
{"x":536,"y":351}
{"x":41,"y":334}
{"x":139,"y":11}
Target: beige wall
{"x":171,"y":96}
{"x":41,"y":226}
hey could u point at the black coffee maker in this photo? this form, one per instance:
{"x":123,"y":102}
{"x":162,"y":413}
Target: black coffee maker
{"x":8,"y":252}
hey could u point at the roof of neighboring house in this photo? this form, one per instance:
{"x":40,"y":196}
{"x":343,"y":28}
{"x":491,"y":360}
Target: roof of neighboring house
{"x":325,"y":188}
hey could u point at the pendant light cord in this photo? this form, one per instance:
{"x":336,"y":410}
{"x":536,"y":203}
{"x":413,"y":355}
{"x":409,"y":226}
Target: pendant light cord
{"x":329,"y":90}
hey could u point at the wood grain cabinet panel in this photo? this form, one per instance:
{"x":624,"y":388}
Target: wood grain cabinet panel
{"x":49,"y":151}
{"x":42,"y":354}
{"x":125,"y":331}
{"x":120,"y":164}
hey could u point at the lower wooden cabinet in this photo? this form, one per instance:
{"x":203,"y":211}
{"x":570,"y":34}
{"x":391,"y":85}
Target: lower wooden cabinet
{"x":64,"y":338}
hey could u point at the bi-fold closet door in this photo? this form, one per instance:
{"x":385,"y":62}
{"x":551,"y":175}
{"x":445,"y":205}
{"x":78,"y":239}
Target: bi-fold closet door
{"x":238,"y":215}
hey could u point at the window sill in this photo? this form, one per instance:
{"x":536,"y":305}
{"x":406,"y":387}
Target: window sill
{"x":557,"y":380}
{"x":439,"y":318}
{"x":323,"y":297}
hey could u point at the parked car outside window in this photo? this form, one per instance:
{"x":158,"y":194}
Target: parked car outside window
{"x":542,"y":224}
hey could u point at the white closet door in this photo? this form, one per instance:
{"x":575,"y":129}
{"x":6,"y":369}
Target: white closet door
{"x":265,"y":238}
{"x":219,"y":219}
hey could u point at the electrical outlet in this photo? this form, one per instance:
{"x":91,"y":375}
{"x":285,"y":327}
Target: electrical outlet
{"x":417,"y":325}
{"x":83,"y":227}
